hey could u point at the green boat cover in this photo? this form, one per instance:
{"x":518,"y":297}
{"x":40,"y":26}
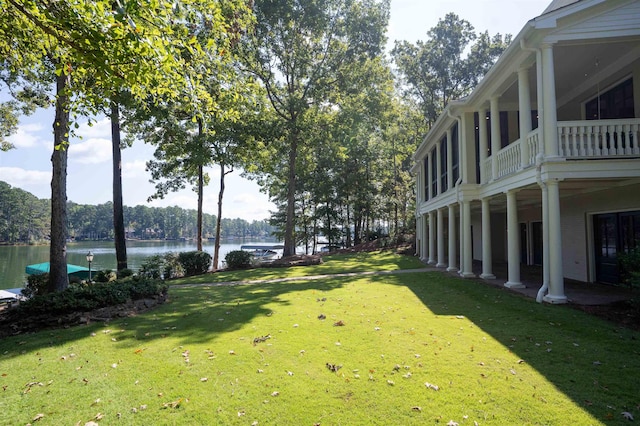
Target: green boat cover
{"x":42,"y":268}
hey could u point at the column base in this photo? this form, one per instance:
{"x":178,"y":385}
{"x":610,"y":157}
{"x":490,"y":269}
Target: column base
{"x":431,"y":262}
{"x":441,"y":265}
{"x":452,"y":269}
{"x":467,"y":275}
{"x":488,"y":276}
{"x":510,"y":284}
{"x":556,"y":300}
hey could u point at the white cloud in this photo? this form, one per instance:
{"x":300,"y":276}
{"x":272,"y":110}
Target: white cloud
{"x":91,"y":151}
{"x":29,"y":136}
{"x":134,"y":169}
{"x":99,"y":129}
{"x":34,"y":181}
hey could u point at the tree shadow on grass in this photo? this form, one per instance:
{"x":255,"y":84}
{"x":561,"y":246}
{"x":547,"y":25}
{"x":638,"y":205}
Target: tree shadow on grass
{"x":593,"y":362}
{"x":191,"y":314}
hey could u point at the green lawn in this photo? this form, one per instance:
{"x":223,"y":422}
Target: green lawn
{"x":205,"y":358}
{"x":334,"y":264}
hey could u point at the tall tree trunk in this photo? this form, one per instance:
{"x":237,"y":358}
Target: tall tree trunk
{"x":216,"y":250}
{"x":58,"y":278}
{"x":118,"y":209}
{"x":289,"y":240}
{"x":200,"y":190}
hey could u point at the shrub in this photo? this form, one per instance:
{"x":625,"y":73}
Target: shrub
{"x":238,"y":259}
{"x":194,"y":262}
{"x":36,"y":284}
{"x":104,"y":276}
{"x":161,"y":267}
{"x":172,"y":266}
{"x":124,"y":273}
{"x":79,"y":298}
{"x":152,"y":267}
{"x":630,"y":267}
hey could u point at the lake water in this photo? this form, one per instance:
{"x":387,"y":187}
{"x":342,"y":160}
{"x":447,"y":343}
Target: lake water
{"x":14,"y":259}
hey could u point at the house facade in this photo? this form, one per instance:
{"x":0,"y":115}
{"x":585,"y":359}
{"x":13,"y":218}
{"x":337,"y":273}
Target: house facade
{"x":540,"y":164}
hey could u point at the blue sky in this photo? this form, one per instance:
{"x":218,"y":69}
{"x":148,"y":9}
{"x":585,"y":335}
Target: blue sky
{"x":89,"y":169}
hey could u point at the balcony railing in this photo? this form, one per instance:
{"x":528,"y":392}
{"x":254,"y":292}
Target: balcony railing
{"x":509,"y":159}
{"x":599,"y":138}
{"x":589,"y":139}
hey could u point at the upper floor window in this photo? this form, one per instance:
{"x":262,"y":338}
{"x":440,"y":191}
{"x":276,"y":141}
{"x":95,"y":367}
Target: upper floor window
{"x":426,"y":178}
{"x":455,"y":156}
{"x":434,"y":173}
{"x":616,"y":102}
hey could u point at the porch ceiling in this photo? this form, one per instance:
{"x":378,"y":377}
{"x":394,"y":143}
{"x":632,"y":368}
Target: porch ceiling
{"x":531,"y":195}
{"x":579,"y":67}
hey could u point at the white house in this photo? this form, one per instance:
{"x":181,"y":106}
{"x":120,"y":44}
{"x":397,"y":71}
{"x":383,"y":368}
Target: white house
{"x":540,"y":164}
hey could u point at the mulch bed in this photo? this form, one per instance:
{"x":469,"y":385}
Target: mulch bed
{"x":624,"y":314}
{"x":11,"y":324}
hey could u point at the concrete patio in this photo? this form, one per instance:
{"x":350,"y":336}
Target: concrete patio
{"x":578,"y":293}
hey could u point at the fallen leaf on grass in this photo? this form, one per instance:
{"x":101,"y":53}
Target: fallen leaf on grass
{"x":38,"y":417}
{"x":261,"y":339}
{"x":432,"y":386}
{"x":173,"y":404}
{"x":416,"y":408}
{"x":452,"y":423}
{"x":333,"y":367}
{"x":627,"y":415}
{"x":204,"y":379}
{"x":275,"y":393}
{"x":339,"y":324}
{"x":322,"y":316}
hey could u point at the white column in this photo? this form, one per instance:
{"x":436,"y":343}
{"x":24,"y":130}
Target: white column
{"x":487,"y":255}
{"x":545,"y":244}
{"x":556,"y":276}
{"x":421,"y":222}
{"x":466,"y":269}
{"x":432,"y":238}
{"x":461,"y":233}
{"x":495,"y":136}
{"x":549,"y":102}
{"x":513,"y":242}
{"x":449,"y":159}
{"x":524,"y":97}
{"x":484,"y":142}
{"x":440,"y":238}
{"x":438,"y":169}
{"x":429,"y":174}
{"x":425,"y":237}
{"x":452,"y":239}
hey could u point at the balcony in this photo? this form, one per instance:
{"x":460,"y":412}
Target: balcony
{"x":577,"y":140}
